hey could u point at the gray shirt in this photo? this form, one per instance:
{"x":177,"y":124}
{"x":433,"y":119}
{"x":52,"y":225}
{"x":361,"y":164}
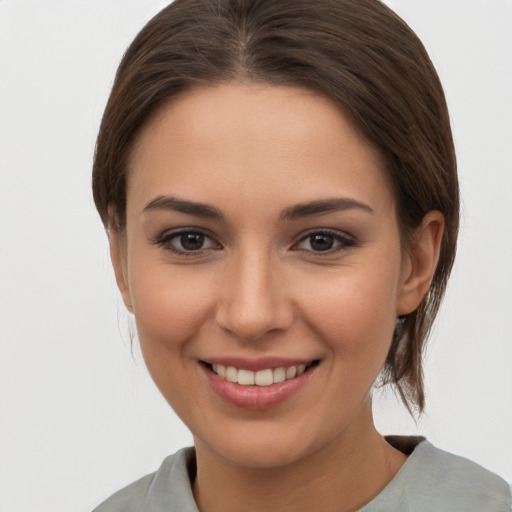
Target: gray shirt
{"x":431,"y":480}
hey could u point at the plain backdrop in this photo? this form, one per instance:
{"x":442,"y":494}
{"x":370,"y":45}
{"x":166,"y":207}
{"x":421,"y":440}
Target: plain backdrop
{"x":79,"y":417}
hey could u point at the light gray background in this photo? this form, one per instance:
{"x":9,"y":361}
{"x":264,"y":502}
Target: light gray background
{"x":79,"y":417}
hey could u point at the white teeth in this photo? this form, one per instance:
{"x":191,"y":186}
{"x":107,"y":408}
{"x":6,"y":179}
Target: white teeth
{"x":231,"y":374}
{"x":264,"y":378}
{"x":246,"y":377}
{"x":291,"y":372}
{"x":279,"y":375}
{"x":261,"y":377}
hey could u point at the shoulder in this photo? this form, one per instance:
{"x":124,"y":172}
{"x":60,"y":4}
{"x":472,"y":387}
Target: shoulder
{"x":433,"y":479}
{"x":130,"y":498}
{"x":167,"y":487}
{"x":459,"y":476}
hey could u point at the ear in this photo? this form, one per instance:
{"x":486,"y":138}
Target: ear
{"x":117,"y":242}
{"x":420,"y":262}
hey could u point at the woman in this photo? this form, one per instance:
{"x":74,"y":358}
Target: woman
{"x":278,"y":182}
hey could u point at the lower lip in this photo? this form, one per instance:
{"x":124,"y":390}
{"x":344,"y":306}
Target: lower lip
{"x":256,"y":397}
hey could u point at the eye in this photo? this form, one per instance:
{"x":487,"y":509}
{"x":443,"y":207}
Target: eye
{"x":324,"y":241}
{"x":186,"y":241}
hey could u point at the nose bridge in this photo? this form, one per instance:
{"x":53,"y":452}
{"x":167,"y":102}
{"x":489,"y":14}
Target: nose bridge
{"x":254,"y":298}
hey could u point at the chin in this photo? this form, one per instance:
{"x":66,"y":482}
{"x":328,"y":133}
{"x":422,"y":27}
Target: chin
{"x":266,"y":446}
{"x":259,"y":455}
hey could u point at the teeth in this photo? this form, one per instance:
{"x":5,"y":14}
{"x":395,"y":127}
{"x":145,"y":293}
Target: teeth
{"x":291,"y":372}
{"x":279,"y":375}
{"x":231,"y":374}
{"x":261,"y":377}
{"x":245,"y":377}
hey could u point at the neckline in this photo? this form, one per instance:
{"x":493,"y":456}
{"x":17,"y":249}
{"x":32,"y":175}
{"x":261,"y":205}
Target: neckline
{"x":408,"y":445}
{"x":404,"y":444}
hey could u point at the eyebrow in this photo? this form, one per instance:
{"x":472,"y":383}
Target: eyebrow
{"x":180,"y":205}
{"x":296,"y":211}
{"x":324,"y":206}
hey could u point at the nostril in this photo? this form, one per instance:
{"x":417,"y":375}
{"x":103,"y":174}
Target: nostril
{"x":253,"y":320}
{"x":251,"y":324}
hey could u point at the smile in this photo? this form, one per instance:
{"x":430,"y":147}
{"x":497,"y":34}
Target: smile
{"x":257,"y":384}
{"x":265,"y":377}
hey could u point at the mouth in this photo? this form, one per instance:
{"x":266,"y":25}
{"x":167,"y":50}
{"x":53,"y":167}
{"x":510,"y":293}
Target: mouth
{"x":257,"y":384}
{"x":263,"y":377}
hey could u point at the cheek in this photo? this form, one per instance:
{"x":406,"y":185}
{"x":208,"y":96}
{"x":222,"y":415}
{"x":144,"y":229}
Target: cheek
{"x":171,"y":308}
{"x":170,"y":305}
{"x":356,"y":324}
{"x":354,"y":313}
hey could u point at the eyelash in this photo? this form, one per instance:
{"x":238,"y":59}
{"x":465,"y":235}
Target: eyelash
{"x":166,"y":238}
{"x":344,"y":241}
{"x":165,"y":241}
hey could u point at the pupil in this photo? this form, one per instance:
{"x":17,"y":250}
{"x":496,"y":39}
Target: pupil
{"x":322,"y":242}
{"x":192,"y":241}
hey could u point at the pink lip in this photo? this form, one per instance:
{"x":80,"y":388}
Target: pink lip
{"x":256,"y":397}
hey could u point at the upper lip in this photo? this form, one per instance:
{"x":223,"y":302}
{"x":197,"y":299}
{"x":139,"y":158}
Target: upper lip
{"x":255,"y":364}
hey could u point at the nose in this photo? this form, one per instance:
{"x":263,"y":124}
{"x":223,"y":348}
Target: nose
{"x":254,"y":299}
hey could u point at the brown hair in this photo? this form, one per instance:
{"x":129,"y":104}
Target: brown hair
{"x":356,"y":52}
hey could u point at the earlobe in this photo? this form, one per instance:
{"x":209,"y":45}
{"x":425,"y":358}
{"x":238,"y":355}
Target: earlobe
{"x":420,"y":263}
{"x":118,"y":258}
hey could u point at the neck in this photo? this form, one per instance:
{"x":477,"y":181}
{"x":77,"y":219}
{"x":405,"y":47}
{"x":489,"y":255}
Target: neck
{"x":343,"y":476}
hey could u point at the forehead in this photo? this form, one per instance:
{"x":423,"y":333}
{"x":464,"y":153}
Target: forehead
{"x":252,"y":140}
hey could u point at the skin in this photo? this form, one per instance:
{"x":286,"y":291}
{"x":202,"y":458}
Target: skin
{"x":258,"y":287}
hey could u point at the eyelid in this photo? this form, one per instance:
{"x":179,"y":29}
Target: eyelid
{"x":164,"y":239}
{"x":344,"y":239}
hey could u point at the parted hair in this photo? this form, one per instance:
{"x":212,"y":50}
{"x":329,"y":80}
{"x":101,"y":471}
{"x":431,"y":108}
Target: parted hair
{"x":359,"y":54}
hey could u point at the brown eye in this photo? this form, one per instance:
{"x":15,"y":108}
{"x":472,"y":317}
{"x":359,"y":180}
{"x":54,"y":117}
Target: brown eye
{"x":192,"y":241}
{"x":324,"y":241}
{"x":321,"y":242}
{"x":186,"y":241}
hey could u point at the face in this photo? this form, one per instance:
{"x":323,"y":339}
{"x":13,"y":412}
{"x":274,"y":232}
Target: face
{"x":263,"y":264}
